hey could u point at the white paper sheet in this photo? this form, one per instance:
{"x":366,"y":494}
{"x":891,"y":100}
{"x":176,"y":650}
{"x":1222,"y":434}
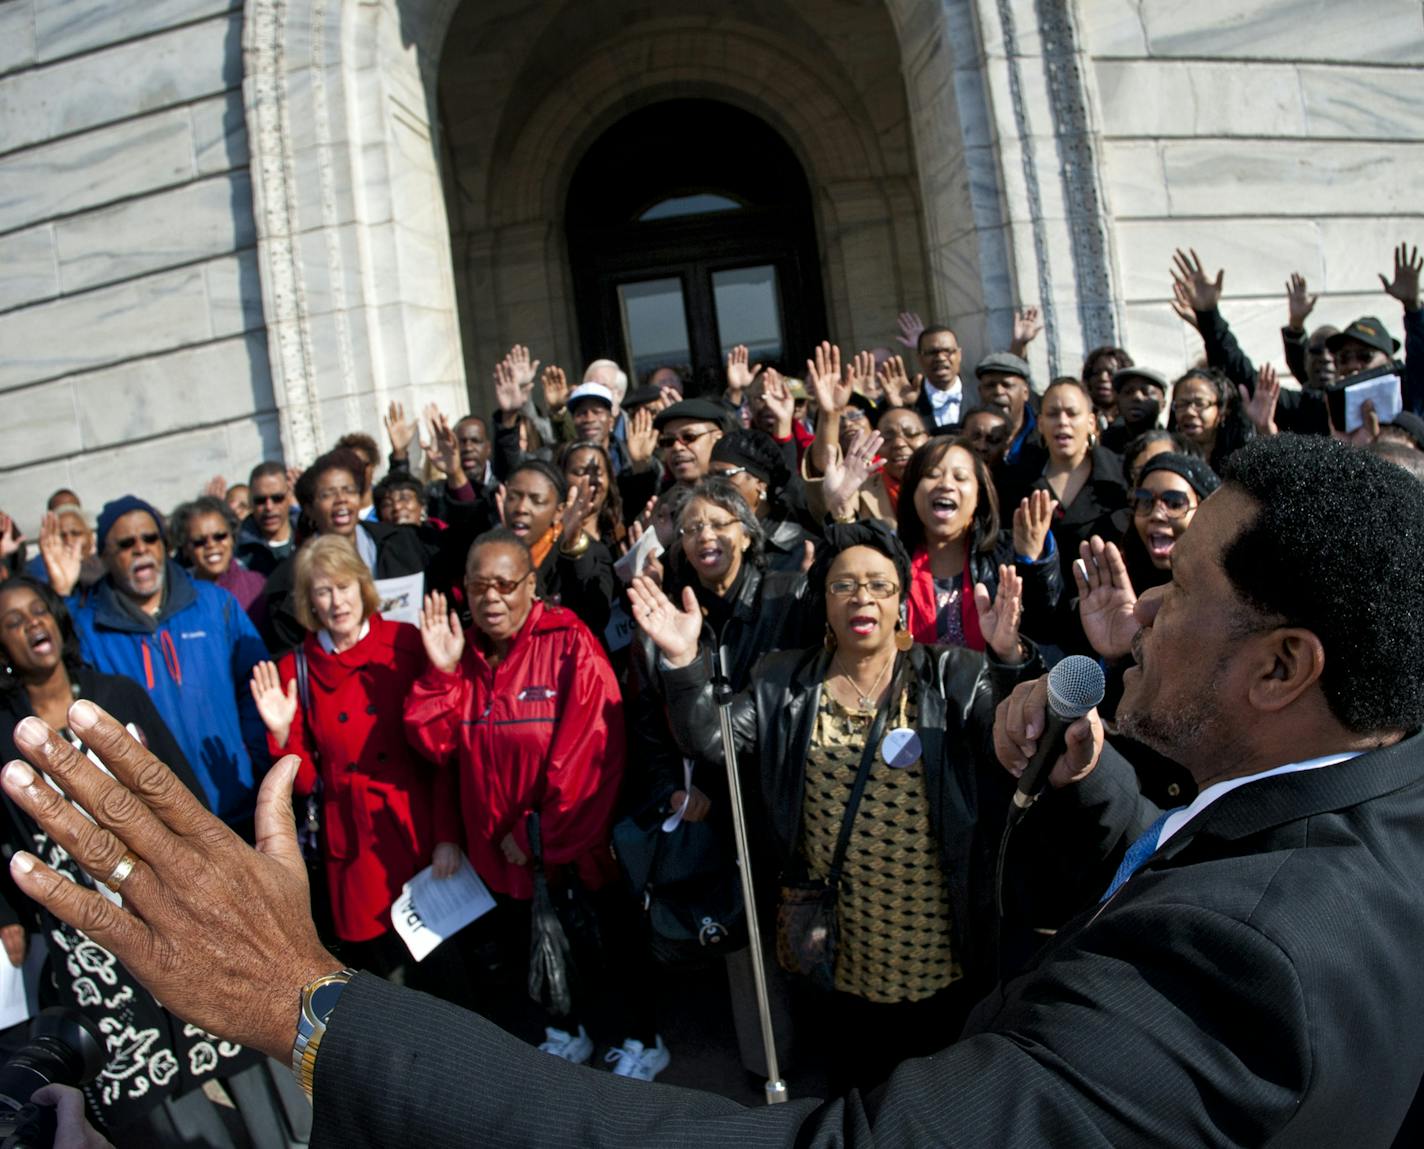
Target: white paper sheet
{"x":631,"y":564}
{"x":401,"y":597}
{"x":431,"y":909}
{"x":1387,"y":395}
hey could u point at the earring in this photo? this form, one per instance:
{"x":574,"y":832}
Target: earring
{"x":1092,"y":439}
{"x":830,"y":641}
{"x":903,"y":638}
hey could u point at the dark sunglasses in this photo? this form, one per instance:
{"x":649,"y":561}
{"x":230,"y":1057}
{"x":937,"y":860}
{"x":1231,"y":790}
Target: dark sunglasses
{"x":686,"y":437}
{"x":1175,"y":503}
{"x":204,"y":540}
{"x":150,"y":539}
{"x":275,"y":500}
{"x":479,"y":587}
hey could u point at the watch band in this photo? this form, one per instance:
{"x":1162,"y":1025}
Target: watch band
{"x":318,"y":999}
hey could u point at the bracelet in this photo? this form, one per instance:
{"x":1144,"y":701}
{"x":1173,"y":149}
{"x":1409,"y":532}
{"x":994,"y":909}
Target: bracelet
{"x":581,"y":544}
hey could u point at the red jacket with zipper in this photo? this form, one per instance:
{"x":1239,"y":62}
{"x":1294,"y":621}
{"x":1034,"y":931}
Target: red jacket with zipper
{"x":542,"y":730}
{"x":383,"y":807}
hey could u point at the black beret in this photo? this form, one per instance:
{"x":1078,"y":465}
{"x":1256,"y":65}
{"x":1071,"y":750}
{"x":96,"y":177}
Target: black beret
{"x":873,"y":533}
{"x":702,"y":409}
{"x":1199,"y":476}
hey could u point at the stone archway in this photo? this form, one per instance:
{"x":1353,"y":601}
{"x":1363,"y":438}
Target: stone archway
{"x":998,"y":202}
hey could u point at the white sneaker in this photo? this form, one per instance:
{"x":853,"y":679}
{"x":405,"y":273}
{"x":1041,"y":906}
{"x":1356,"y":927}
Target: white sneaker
{"x":634,"y":1061}
{"x":575,"y":1047}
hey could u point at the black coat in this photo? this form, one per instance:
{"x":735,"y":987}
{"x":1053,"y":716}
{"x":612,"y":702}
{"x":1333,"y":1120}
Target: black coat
{"x":968,"y":791}
{"x":1258,"y":984}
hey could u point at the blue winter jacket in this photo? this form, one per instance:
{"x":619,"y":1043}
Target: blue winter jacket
{"x":196,"y":667}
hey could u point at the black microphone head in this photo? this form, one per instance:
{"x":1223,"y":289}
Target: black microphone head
{"x":1075,"y":686}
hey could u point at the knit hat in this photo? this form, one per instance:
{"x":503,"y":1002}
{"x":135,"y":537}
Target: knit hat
{"x":1200,"y":477}
{"x":117,"y":509}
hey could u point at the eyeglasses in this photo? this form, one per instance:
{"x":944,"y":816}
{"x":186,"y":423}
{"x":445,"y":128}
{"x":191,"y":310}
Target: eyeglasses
{"x":1198,"y":405}
{"x":909,"y":434}
{"x":878,"y":587}
{"x":204,"y":540}
{"x":687,"y":436}
{"x":729,"y":472}
{"x":275,"y":500}
{"x":716,"y":526}
{"x":504,"y":587}
{"x":1174,"y":503}
{"x":150,"y":539}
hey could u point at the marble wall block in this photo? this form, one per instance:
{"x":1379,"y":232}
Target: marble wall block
{"x":39,"y":424}
{"x":165,"y":471}
{"x":156,"y":395}
{"x":1257,"y":254}
{"x":1328,"y":30}
{"x":1153,"y":98}
{"x":65,"y":27}
{"x":1364,"y":103}
{"x":117,"y":83}
{"x":25,"y":490}
{"x":234,"y":294}
{"x":1113,"y":28}
{"x":1356,"y":251}
{"x":17,"y":35}
{"x":197,"y":221}
{"x":30,"y":271}
{"x":219,"y":134}
{"x":98,"y":167}
{"x":1134,"y":180}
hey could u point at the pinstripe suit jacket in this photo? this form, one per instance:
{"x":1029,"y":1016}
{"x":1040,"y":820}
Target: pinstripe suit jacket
{"x":1259,"y":982}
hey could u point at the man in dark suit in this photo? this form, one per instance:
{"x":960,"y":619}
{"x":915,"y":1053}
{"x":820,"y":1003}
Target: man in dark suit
{"x":1252,"y":976}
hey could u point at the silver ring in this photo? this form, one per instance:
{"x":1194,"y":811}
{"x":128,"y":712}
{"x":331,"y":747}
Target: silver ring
{"x":121,"y":871}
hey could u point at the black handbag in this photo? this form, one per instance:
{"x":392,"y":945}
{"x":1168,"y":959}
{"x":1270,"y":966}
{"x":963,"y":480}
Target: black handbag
{"x":688,"y":883}
{"x":564,"y":933}
{"x":309,"y":820}
{"x":806,"y":928}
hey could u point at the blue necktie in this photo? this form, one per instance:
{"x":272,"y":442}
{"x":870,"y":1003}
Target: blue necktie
{"x":1139,"y":852}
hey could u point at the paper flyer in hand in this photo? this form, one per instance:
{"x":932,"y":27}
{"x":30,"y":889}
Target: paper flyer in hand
{"x":431,"y":909}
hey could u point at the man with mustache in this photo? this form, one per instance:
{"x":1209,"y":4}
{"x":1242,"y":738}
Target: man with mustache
{"x":187,"y":642}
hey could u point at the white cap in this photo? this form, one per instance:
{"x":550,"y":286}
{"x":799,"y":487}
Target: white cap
{"x":591,"y":391}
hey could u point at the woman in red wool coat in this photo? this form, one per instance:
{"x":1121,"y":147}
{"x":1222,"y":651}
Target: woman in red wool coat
{"x":386,"y":812}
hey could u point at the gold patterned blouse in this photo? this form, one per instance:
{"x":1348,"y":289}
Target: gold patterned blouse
{"x":893,"y":900}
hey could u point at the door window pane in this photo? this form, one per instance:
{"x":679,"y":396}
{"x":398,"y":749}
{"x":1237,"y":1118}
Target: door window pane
{"x":749,"y":311}
{"x":700,"y":203}
{"x":654,"y":324}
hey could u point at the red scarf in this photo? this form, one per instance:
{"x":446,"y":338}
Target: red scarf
{"x":924,"y":612}
{"x":892,"y":489}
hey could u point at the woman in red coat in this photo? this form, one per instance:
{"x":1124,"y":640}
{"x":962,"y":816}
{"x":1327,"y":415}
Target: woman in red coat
{"x":526,"y":706}
{"x":382,"y":819}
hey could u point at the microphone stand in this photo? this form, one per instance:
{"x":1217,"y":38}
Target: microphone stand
{"x":776,"y":1091}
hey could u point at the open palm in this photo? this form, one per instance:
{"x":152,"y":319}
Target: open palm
{"x":674,"y":632}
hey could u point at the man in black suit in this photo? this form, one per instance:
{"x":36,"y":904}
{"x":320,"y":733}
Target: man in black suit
{"x":1252,"y":976}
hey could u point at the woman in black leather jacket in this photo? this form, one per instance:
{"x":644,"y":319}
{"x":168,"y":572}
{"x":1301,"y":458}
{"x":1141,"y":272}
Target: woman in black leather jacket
{"x":915,"y":900}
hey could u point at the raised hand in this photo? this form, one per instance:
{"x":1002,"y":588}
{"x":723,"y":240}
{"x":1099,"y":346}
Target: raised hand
{"x":64,"y":561}
{"x":777,"y":396}
{"x":1182,"y":304}
{"x":509,"y":395}
{"x":1033,"y":518}
{"x":999,"y":619}
{"x":1299,"y":302}
{"x":275,"y":706}
{"x":1105,"y":598}
{"x":1407,"y":266}
{"x":900,"y":390}
{"x":843,"y":478}
{"x":499,"y":503}
{"x":910,"y":327}
{"x":642,"y":438}
{"x":525,"y":372}
{"x":446,"y":448}
{"x":399,"y":429}
{"x":575,"y":511}
{"x":440,"y":632}
{"x":556,"y":389}
{"x":293,"y":474}
{"x":739,"y":374}
{"x":1202,"y":293}
{"x":10,"y":539}
{"x":1027,"y":326}
{"x":216,"y":487}
{"x":1260,"y":408}
{"x":860,"y":370}
{"x":808,"y":556}
{"x":830,"y":388}
{"x":674,"y":632}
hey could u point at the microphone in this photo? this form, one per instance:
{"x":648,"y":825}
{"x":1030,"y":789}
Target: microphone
{"x":1075,"y":686}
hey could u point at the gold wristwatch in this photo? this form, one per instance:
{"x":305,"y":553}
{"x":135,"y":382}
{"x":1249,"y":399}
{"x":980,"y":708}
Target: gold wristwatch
{"x":319,"y":998}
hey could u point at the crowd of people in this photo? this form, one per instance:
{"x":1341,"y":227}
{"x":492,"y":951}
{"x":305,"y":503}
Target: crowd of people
{"x":541,"y":620}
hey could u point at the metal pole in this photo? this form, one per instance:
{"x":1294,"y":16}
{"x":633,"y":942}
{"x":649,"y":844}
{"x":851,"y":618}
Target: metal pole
{"x":776,"y":1091}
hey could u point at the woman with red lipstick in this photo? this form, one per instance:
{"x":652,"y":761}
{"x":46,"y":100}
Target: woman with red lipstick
{"x":1170,"y":487}
{"x":914,"y":901}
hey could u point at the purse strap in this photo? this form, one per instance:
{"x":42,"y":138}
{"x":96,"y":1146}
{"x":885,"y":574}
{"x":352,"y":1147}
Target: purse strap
{"x":862,"y":777}
{"x":536,"y":842}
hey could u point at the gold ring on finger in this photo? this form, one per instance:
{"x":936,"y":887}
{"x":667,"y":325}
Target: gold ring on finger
{"x":121,"y":871}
